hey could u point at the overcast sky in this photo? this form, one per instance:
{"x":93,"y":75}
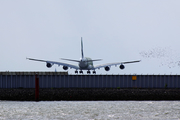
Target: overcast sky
{"x":112,"y":30}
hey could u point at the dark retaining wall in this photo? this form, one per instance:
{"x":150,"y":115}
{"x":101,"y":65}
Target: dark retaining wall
{"x":90,"y":94}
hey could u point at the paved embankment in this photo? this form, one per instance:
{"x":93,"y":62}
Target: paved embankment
{"x":90,"y":94}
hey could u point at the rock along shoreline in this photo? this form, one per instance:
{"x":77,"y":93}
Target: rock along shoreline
{"x":89,"y":94}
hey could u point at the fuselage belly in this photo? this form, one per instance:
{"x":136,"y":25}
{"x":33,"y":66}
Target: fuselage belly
{"x":86,"y":64}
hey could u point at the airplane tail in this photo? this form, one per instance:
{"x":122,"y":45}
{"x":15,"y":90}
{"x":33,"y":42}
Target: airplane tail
{"x":82,"y":54}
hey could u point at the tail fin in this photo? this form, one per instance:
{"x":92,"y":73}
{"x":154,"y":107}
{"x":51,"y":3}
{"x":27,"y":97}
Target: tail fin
{"x":82,"y":48}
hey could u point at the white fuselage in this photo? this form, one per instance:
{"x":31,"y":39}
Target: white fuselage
{"x":86,"y":64}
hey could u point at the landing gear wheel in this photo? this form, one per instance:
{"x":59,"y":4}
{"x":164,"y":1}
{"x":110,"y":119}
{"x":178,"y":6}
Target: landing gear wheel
{"x":76,"y":71}
{"x":88,"y":72}
{"x":81,"y":71}
{"x":94,"y":72}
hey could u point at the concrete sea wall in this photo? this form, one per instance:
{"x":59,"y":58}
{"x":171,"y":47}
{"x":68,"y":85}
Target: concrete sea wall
{"x":20,"y":86}
{"x":89,"y":94}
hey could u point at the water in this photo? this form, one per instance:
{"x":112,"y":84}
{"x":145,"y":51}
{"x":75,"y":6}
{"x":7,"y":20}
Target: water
{"x":92,"y":110}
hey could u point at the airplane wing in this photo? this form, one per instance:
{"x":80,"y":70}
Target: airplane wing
{"x":114,"y":64}
{"x":57,"y":63}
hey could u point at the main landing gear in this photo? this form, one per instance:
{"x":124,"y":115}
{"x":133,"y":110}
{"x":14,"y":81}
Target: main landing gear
{"x":88,"y":72}
{"x":79,"y":72}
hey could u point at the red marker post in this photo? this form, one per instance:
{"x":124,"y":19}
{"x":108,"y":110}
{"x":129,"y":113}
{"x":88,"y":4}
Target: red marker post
{"x":37,"y":88}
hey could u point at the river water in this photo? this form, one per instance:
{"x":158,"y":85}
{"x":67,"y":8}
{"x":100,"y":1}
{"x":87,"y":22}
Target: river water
{"x":92,"y":110}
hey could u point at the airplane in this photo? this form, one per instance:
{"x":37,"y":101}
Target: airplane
{"x":85,"y":63}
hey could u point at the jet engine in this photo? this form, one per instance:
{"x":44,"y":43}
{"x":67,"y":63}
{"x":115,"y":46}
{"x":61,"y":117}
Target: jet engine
{"x":49,"y":65}
{"x":107,"y":68}
{"x":121,"y":66}
{"x":65,"y":67}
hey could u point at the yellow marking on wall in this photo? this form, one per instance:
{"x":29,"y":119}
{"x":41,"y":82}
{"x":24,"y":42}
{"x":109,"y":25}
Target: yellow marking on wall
{"x":134,"y":77}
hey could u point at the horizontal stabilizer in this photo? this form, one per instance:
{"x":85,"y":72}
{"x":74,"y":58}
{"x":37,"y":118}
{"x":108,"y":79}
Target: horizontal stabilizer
{"x":70,"y":60}
{"x":95,"y":60}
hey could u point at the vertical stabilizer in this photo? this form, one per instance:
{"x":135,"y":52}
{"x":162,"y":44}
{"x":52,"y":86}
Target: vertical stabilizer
{"x":82,"y":48}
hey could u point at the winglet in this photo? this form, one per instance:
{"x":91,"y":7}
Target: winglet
{"x":82,"y":48}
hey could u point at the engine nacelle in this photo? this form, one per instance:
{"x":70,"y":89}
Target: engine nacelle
{"x":65,"y":67}
{"x":107,"y":68}
{"x":121,"y":66}
{"x":49,"y":65}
